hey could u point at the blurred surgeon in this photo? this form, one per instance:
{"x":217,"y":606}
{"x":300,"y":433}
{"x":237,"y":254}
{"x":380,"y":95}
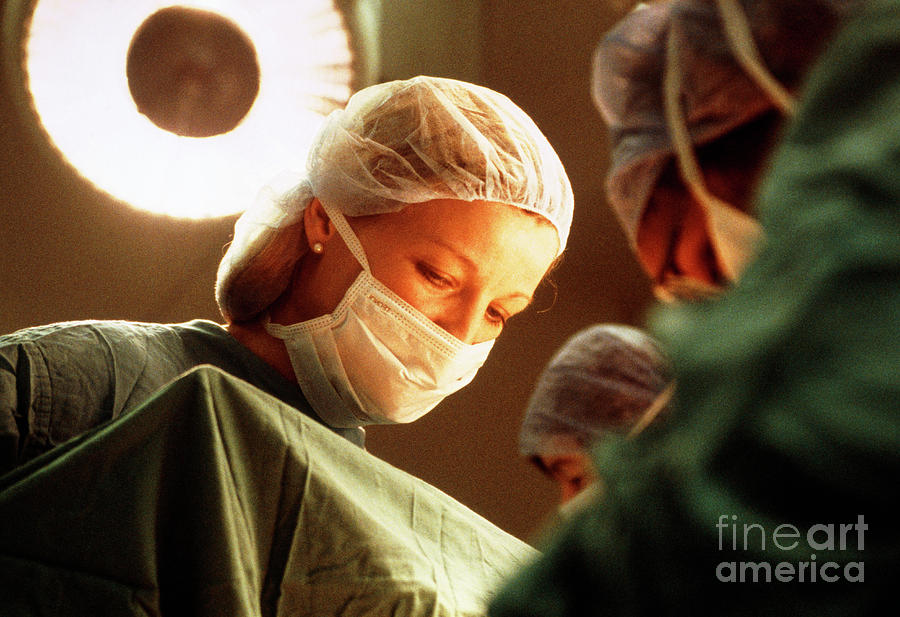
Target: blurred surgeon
{"x":787,"y":394}
{"x":695,"y":94}
{"x":607,"y":379}
{"x":370,"y":289}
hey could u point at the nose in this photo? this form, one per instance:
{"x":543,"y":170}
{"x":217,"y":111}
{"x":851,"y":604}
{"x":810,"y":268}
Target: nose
{"x":465,"y":321}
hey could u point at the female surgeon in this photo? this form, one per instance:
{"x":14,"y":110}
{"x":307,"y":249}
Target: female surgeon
{"x":429,"y":211}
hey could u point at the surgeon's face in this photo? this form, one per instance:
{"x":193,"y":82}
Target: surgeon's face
{"x":673,"y":240}
{"x":467,"y":266}
{"x":572,"y":473}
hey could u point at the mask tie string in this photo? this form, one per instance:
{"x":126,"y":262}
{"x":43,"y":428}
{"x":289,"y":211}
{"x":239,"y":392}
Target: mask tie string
{"x":344,"y":230}
{"x":657,"y":405}
{"x":740,"y":40}
{"x":733,"y":232}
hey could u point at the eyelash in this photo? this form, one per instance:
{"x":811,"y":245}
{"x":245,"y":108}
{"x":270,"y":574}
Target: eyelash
{"x":496,"y":317}
{"x":442,"y":282}
{"x":434,"y":277}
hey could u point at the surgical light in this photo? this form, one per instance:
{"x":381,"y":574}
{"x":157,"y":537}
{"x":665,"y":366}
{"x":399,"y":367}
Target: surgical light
{"x":187,"y":109}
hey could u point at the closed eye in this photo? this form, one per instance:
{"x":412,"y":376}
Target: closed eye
{"x":436,"y":278}
{"x":496,"y":316}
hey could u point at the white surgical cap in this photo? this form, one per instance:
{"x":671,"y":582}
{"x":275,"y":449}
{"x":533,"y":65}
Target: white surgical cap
{"x":600,"y":381}
{"x":395,"y":144}
{"x":718,"y":94}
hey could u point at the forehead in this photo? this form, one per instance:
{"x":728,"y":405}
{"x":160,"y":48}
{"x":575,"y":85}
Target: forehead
{"x":565,"y":465}
{"x":448,"y":213}
{"x":488,"y":234}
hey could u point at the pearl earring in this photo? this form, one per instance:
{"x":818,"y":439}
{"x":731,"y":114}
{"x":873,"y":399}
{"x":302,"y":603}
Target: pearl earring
{"x":318,"y":248}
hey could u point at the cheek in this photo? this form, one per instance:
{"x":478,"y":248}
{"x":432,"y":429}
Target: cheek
{"x":441,"y":309}
{"x":399,"y":274}
{"x":387,"y":266}
{"x":403,"y":279}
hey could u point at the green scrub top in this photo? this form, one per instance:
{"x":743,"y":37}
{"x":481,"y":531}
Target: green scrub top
{"x":60,"y":380}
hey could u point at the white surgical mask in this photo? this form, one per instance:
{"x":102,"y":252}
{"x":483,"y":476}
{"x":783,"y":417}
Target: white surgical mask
{"x":375,"y":359}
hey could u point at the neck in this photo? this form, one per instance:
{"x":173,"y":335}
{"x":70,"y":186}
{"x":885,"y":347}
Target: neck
{"x":271,"y":350}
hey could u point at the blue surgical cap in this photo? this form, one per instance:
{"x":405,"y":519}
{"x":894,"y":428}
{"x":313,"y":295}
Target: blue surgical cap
{"x":601,"y":380}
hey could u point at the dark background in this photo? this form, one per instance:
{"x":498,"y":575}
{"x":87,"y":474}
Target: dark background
{"x":70,"y":251}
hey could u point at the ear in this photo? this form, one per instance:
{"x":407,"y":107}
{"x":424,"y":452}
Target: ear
{"x":316,"y":224}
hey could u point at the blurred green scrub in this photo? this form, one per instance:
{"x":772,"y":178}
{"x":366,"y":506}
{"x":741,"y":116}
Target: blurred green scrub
{"x":787,"y":395}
